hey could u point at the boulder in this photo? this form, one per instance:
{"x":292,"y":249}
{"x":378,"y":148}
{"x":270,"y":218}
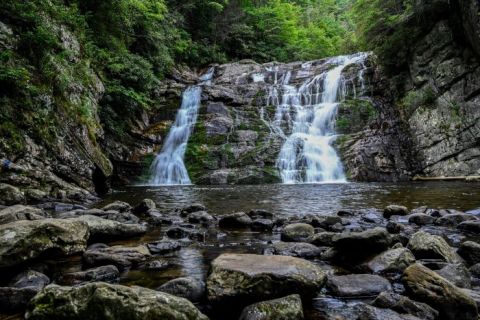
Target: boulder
{"x":394,"y":260}
{"x":405,"y":305}
{"x":235,"y":220}
{"x":426,"y":246}
{"x":108,"y":273}
{"x":470,"y":226}
{"x":296,"y":249}
{"x":242,"y":279}
{"x":262,"y":224}
{"x":188,"y":288}
{"x":30,"y":279}
{"x":325,"y":222}
{"x":454,"y":219}
{"x":297,"y":232}
{"x":10,"y":195}
{"x":120,"y":256}
{"x":323,"y":239}
{"x":421,"y":219}
{"x":183,"y":233}
{"x":357,"y":285}
{"x":260,"y":214}
{"x":363,"y":311}
{"x":21,"y":241}
{"x":395,"y":210}
{"x":103,"y":228}
{"x":201,"y":217}
{"x":164,"y":246}
{"x":119,"y":206}
{"x":470,"y":251}
{"x":122,"y":217}
{"x":286,"y":308}
{"x":100,"y":300}
{"x":192,"y":208}
{"x":366,"y":242}
{"x":426,"y":286}
{"x":456,"y":274}
{"x":20,"y":212}
{"x":143,"y":207}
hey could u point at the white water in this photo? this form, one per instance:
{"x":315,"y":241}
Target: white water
{"x":168,"y":167}
{"x":307,"y":155}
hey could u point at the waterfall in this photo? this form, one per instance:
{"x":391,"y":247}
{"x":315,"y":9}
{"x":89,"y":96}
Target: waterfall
{"x":168,"y":167}
{"x":307,"y":155}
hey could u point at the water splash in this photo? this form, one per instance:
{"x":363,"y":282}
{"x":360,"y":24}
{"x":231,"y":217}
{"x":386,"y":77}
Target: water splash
{"x":168,"y":167}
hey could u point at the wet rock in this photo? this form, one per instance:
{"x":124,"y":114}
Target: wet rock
{"x":118,"y":206}
{"x":108,"y":273}
{"x":357,"y":285}
{"x":10,"y":195}
{"x":426,"y":246}
{"x":262,"y":225}
{"x":21,"y":241}
{"x":394,"y":227}
{"x":456,"y":274}
{"x":404,"y":305}
{"x":287,"y":308}
{"x":20,"y":212}
{"x":470,"y":251}
{"x":475,"y":295}
{"x":395,"y":210}
{"x":364,"y":311}
{"x":154,"y":265}
{"x":35,"y":195}
{"x":120,"y":256}
{"x":365,"y":242}
{"x":192,"y":208}
{"x":122,"y":217}
{"x":326,"y":222}
{"x":394,"y":260}
{"x":143,"y":207}
{"x":425,"y":285}
{"x":470,"y":226}
{"x":164,"y":246}
{"x":235,"y":220}
{"x":421,"y":219}
{"x":109,"y":301}
{"x":297,"y":232}
{"x":200,"y":217}
{"x":103,"y":228}
{"x":323,"y":239}
{"x":475,"y":270}
{"x":188,"y":288}
{"x":30,"y":279}
{"x":454,"y":219}
{"x":296,"y":249}
{"x":242,"y":279}
{"x":260,"y":214}
{"x":182,"y":233}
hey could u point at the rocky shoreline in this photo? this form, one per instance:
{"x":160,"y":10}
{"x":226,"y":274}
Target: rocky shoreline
{"x":392,"y":263}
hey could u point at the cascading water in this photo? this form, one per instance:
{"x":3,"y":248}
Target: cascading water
{"x":307,"y":155}
{"x":168,"y":167}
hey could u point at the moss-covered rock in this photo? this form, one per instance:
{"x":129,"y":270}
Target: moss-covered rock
{"x":287,"y":308}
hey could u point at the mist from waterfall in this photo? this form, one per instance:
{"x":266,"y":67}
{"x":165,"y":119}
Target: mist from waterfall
{"x":307,"y":155}
{"x":168,"y":167}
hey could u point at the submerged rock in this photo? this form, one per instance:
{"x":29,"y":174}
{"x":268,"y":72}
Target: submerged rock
{"x":287,"y":308}
{"x":297,"y":232}
{"x":357,"y":285}
{"x":426,"y":246}
{"x":21,"y":241}
{"x":235,"y":220}
{"x":405,"y":305}
{"x":242,"y":279}
{"x":106,"y":301}
{"x":188,"y":288}
{"x":108,"y":274}
{"x":427,"y":286}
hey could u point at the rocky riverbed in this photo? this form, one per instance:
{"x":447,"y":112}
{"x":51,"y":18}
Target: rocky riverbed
{"x":134,"y":261}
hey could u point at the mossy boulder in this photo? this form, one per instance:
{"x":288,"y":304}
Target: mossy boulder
{"x":287,"y":308}
{"x":427,"y":246}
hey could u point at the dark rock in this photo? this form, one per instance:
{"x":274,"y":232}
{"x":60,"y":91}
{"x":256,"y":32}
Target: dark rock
{"x":122,"y":217}
{"x":470,"y":226}
{"x":426,"y":246}
{"x":188,"y":288}
{"x":456,"y":274}
{"x":421,"y":219}
{"x":103,"y":228}
{"x":357,"y":285}
{"x":262,"y":225}
{"x":325,"y":222}
{"x":365,"y":242}
{"x":296,"y":249}
{"x":475,"y":270}
{"x":118,"y":206}
{"x":260,"y":214}
{"x":395,"y":210}
{"x":164,"y":246}
{"x":182,"y":233}
{"x":200,"y":217}
{"x":426,"y":286}
{"x":10,"y":195}
{"x":122,"y":257}
{"x":323,"y":239}
{"x":107,"y":273}
{"x":404,"y":305}
{"x":235,"y":220}
{"x":20,"y":212}
{"x":154,"y":265}
{"x":192,"y":208}
{"x":364,"y":311}
{"x":143,"y":207}
{"x":287,"y":308}
{"x":394,"y":227}
{"x":100,"y":300}
{"x":394,"y":260}
{"x":30,"y":279}
{"x":297,"y":232}
{"x":454,"y":219}
{"x":470,"y":251}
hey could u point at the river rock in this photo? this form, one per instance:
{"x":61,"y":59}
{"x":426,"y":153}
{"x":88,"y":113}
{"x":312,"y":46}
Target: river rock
{"x":426,"y":246}
{"x":323,"y":239}
{"x":108,"y":273}
{"x":21,"y":241}
{"x":192,"y":208}
{"x":453,"y":219}
{"x":103,"y":228}
{"x":395,"y":210}
{"x":366,"y":242}
{"x":427,"y":286}
{"x":144,"y":206}
{"x":296,"y":249}
{"x":456,"y":274}
{"x":235,"y":220}
{"x":118,"y":206}
{"x":10,"y":195}
{"x":201,"y":217}
{"x":405,"y":305}
{"x":188,"y":288}
{"x":120,"y":256}
{"x":325,"y":222}
{"x":242,"y":279}
{"x":394,"y":260}
{"x":20,"y":212}
{"x":286,"y":308}
{"x":363,"y":311}
{"x":30,"y":279}
{"x":178,"y":232}
{"x":357,"y":285}
{"x":164,"y":246}
{"x":122,"y":217}
{"x":297,"y":232}
{"x":421,"y":219}
{"x":260,"y":214}
{"x":262,"y":224}
{"x":470,"y":251}
{"x":470,"y":226}
{"x":107,"y":301}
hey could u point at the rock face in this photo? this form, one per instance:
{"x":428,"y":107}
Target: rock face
{"x":25,"y":240}
{"x":426,"y":286}
{"x":287,"y":308}
{"x":106,"y":301}
{"x":241,"y":279}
